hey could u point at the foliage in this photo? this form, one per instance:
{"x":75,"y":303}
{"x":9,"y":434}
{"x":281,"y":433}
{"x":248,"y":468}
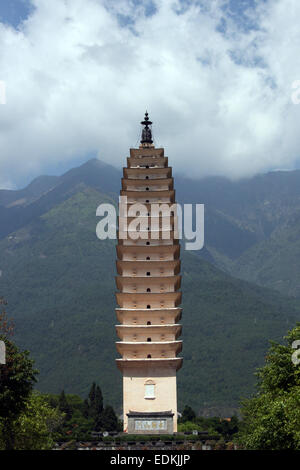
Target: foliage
{"x":104,"y":419}
{"x":35,"y":428}
{"x":17,"y":377}
{"x":81,"y":417}
{"x":109,"y":420}
{"x":26,"y":420}
{"x":280,"y":373}
{"x":74,"y":425}
{"x":271,"y":419}
{"x":94,"y":406}
{"x":64,"y":406}
{"x":189,"y":426}
{"x":188,"y":414}
{"x":226,"y":428}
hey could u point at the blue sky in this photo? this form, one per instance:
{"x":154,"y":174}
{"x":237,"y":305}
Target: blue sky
{"x":216,"y":77}
{"x":13,"y":12}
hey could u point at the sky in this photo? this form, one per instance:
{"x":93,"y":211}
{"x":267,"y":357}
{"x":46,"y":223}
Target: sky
{"x":219,"y":78}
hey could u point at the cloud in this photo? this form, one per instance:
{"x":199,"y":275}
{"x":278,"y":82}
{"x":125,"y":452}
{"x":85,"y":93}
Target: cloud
{"x":80,"y":73}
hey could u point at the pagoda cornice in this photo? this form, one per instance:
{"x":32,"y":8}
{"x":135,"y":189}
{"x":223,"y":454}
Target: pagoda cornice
{"x":153,"y":310}
{"x":161,"y":242}
{"x":149,"y":298}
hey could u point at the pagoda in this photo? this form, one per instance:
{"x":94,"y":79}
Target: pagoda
{"x":148,"y":296}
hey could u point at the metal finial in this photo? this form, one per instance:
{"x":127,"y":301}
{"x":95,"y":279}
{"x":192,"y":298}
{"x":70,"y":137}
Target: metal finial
{"x":146,"y":132}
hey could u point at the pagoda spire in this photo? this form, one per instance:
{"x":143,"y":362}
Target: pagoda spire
{"x":146,"y":132}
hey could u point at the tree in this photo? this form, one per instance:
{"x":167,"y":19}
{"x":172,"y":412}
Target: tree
{"x":86,"y":409}
{"x":36,"y":426}
{"x":76,"y":423}
{"x":97,"y":405}
{"x":188,"y":414}
{"x":64,"y":406}
{"x":189,"y":426}
{"x":227,"y":427}
{"x":92,"y":393}
{"x":108,"y":420}
{"x":17,"y":377}
{"x":271,"y":419}
{"x":93,"y":406}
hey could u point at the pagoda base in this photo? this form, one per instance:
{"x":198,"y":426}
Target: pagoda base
{"x":158,"y":422}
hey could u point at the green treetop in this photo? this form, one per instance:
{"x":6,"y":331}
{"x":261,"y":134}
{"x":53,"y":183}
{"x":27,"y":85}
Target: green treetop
{"x":271,"y":419}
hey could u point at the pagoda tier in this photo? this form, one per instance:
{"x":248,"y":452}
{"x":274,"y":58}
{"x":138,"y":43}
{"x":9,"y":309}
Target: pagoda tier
{"x":149,"y":253}
{"x":148,"y":300}
{"x":163,"y":332}
{"x":144,"y":196}
{"x":147,"y":349}
{"x":152,"y":173}
{"x":148,"y":284}
{"x":141,"y":184}
{"x":147,"y":162}
{"x":143,"y":267}
{"x":159,"y":316}
{"x":145,"y":284}
{"x":148,"y":208}
{"x":150,"y":152}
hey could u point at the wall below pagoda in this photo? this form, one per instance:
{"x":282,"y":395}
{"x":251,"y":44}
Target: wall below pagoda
{"x":165,"y":392}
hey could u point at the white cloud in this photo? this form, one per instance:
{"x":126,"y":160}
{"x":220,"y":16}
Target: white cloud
{"x":77,"y":81}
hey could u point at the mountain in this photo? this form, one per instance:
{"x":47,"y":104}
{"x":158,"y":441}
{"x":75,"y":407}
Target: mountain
{"x":274,"y":262}
{"x":251,"y":226}
{"x":59,"y":281}
{"x":93,"y":173}
{"x":33,"y":191}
